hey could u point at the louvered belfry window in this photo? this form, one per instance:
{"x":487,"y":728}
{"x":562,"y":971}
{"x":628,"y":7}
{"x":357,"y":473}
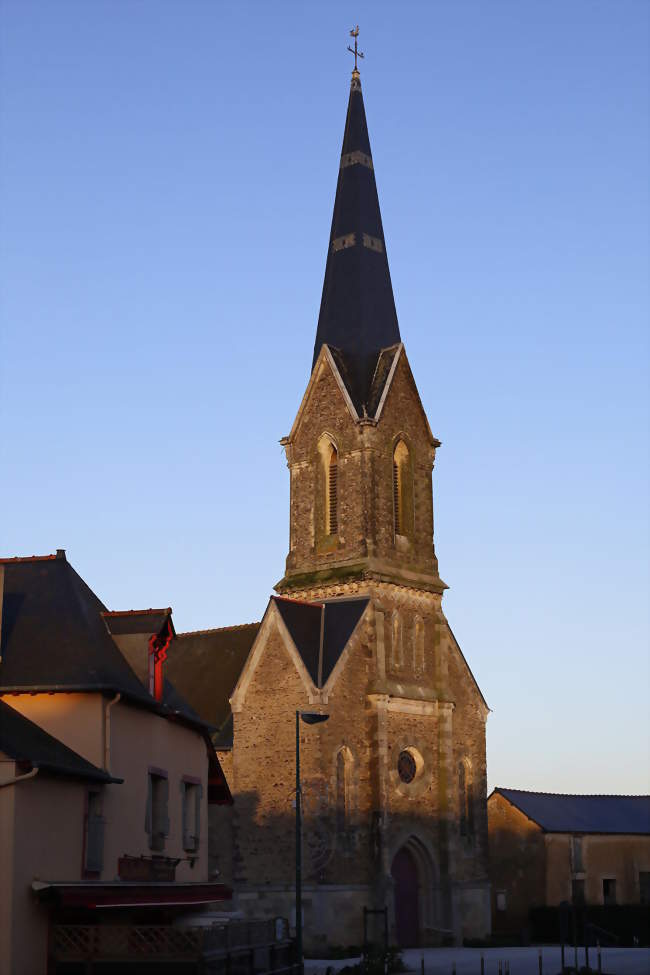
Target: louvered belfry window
{"x":401,"y":482}
{"x":396,"y":498}
{"x":332,"y":494}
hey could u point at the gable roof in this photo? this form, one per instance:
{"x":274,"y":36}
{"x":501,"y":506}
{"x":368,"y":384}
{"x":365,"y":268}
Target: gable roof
{"x":24,"y":741}
{"x":320,"y":631}
{"x":557,"y":813}
{"x":205,"y":665}
{"x":357,"y":313}
{"x":52,"y":636}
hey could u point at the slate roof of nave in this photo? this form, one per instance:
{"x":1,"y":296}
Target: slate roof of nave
{"x":205,"y":665}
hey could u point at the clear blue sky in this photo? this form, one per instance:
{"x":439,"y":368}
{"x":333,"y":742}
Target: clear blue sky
{"x":167,"y":179}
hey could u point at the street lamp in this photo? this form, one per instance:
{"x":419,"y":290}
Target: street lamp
{"x":309,"y":717}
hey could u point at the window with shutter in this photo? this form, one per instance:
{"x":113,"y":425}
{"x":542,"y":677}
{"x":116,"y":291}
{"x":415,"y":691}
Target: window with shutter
{"x":191,"y":797}
{"x":94,"y":839}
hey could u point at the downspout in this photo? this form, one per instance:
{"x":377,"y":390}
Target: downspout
{"x":107,"y":731}
{"x":19,"y":778}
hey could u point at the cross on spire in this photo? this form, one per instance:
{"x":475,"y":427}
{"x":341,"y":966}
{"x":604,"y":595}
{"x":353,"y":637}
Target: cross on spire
{"x":354,"y":50}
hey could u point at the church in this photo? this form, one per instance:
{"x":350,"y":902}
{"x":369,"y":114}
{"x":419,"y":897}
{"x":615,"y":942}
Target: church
{"x":394,"y":781}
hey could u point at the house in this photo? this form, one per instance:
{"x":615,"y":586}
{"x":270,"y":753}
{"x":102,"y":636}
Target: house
{"x":106,"y":774}
{"x":546,"y":849}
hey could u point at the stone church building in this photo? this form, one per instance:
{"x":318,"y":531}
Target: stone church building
{"x":395,"y":780}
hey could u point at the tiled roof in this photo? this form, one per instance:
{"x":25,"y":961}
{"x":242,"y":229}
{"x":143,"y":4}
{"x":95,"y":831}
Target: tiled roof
{"x":557,"y":813}
{"x":24,"y":741}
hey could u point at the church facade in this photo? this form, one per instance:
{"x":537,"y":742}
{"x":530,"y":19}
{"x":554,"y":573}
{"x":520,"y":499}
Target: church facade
{"x":394,"y":782}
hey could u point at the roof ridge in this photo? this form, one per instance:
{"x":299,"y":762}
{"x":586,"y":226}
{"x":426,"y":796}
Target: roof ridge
{"x":26,"y":558}
{"x":217,"y":629}
{"x":135,"y":612}
{"x":574,"y":795}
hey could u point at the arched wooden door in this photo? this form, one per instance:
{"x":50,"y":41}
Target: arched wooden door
{"x":407,"y":909}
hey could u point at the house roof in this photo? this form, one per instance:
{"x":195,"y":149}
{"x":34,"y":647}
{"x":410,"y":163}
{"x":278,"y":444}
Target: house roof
{"x":320,"y":631}
{"x":52,"y":636}
{"x":24,"y":741}
{"x":557,"y":813}
{"x":205,"y":665}
{"x":357,"y":314}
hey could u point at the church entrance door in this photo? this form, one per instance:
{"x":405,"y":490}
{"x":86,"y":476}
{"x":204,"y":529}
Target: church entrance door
{"x":407,"y":911}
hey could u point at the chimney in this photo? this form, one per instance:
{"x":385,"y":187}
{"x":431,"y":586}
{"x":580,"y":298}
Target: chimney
{"x":60,"y":553}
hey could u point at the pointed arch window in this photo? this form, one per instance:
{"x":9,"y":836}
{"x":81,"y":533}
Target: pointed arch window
{"x":332,"y":492}
{"x":343,"y":788}
{"x":466,"y":800}
{"x":402,"y":490}
{"x":327,"y":501}
{"x":396,"y":639}
{"x":418,"y":644}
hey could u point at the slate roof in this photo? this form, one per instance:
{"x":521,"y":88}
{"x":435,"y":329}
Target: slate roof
{"x":557,"y":813}
{"x":131,"y":621}
{"x":204,"y":666}
{"x":357,"y":314}
{"x":52,"y":634}
{"x":320,"y":631}
{"x":24,"y":741}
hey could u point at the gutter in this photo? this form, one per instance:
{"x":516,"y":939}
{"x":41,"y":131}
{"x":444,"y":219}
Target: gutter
{"x":20,"y":778}
{"x":107,"y":731}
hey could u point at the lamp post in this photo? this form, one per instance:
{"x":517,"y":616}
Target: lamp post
{"x":309,"y":717}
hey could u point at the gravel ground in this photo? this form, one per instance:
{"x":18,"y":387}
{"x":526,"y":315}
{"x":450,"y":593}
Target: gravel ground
{"x":523,"y":961}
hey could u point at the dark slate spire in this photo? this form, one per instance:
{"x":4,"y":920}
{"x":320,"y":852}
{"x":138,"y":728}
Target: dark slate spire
{"x":357,"y":312}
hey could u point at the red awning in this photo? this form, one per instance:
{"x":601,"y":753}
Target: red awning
{"x":120,"y":894}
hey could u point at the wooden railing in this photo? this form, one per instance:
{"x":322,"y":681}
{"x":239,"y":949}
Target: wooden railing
{"x":236,"y":948}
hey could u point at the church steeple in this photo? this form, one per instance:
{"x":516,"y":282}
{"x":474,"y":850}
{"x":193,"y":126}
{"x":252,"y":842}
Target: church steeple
{"x":357,"y":313}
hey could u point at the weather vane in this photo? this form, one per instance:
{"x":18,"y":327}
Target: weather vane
{"x":354,"y":50}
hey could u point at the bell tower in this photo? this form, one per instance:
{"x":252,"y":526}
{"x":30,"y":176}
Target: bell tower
{"x":361,"y":451}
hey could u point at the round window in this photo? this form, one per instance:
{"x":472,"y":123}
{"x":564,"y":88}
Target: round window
{"x":406,"y":766}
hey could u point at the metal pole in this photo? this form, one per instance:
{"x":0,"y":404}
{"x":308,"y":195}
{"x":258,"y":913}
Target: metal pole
{"x":298,"y":850}
{"x":540,"y":960}
{"x":600,"y":961}
{"x":482,"y":965}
